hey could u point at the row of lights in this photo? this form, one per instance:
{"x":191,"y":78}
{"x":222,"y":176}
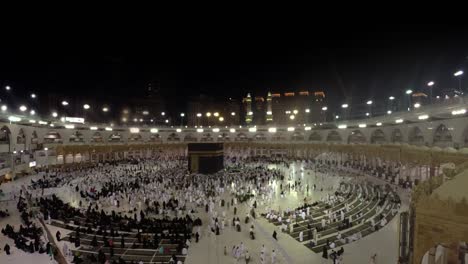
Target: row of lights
{"x":400,"y":120}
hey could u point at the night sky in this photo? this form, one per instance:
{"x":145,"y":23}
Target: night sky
{"x":360,"y":62}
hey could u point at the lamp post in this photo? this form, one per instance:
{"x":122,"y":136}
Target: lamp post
{"x":430,"y":84}
{"x":459,"y":75}
{"x":345,"y":112}
{"x":369,"y":103}
{"x":409,"y":92}
{"x":324,"y":113}
{"x":182,"y":119}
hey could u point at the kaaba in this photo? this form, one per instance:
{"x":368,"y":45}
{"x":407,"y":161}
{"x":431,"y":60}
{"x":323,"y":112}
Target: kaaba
{"x":205,"y":158}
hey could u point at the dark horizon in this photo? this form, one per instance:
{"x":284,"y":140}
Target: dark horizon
{"x":366,"y":64}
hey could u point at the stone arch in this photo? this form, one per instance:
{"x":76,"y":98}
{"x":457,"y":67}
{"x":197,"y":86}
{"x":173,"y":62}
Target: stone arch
{"x":52,"y":137}
{"x":135,"y":137}
{"x":190,"y":138}
{"x":260,"y":137}
{"x":21,"y":138}
{"x":297,"y":136}
{"x":415,"y":136}
{"x":241,"y":137}
{"x":315,"y":136}
{"x":356,"y":137}
{"x":223,"y":137}
{"x":378,"y":137}
{"x":5,"y":134}
{"x":397,"y":136}
{"x":115,"y":137}
{"x":76,"y":136}
{"x":34,"y":138}
{"x":173,"y":137}
{"x":334,"y":136}
{"x":442,"y":137}
{"x":278,"y":137}
{"x":207,"y":137}
{"x":155,"y":138}
{"x":97,"y":137}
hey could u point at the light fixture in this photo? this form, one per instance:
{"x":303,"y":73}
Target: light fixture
{"x":199,"y":115}
{"x":295,"y":112}
{"x":288,"y":112}
{"x":32,"y":121}
{"x":108,"y":128}
{"x":324,"y":108}
{"x":178,"y":130}
{"x":391,"y":98}
{"x":431,"y":83}
{"x":362,"y":125}
{"x":269,"y":113}
{"x":208,"y":114}
{"x":342,"y":126}
{"x":292,"y":117}
{"x":32,"y":112}
{"x":215,"y":130}
{"x":141,"y":120}
{"x":399,"y":121}
{"x":145,"y":112}
{"x":252,"y":129}
{"x":105,"y":109}
{"x":42,"y":122}
{"x":417,"y":105}
{"x":458,"y":73}
{"x":23,"y":108}
{"x":337,"y":117}
{"x":307,"y":128}
{"x":124,"y":119}
{"x":423,"y":117}
{"x":46,"y":149}
{"x":389,"y":112}
{"x":182,"y":114}
{"x":459,"y":112}
{"x":14,"y":119}
{"x":367,"y":114}
{"x":369,"y":102}
{"x":221,"y":119}
{"x":51,"y":125}
{"x":290,"y":129}
{"x":4,"y":108}
{"x":69,"y":126}
{"x":409,"y":91}
{"x":8,"y":88}
{"x":233,"y":114}
{"x":167,"y":121}
{"x":64,"y":103}
{"x":154,"y":130}
{"x":163,"y":113}
{"x":216,"y":114}
{"x":250,"y":113}
{"x":93,"y":128}
{"x":307,"y":110}
{"x":232,"y":130}
{"x":86,"y":106}
{"x":54,"y":114}
{"x":134,"y":130}
{"x":200,"y":130}
{"x":33,"y":95}
{"x":344,"y":106}
{"x":272,"y":129}
{"x":378,"y":124}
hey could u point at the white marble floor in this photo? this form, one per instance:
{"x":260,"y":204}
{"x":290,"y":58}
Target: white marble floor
{"x":211,"y":248}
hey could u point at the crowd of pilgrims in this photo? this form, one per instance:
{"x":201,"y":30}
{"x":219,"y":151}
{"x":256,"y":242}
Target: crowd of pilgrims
{"x":159,"y":196}
{"x":153,"y":196}
{"x":28,"y":237}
